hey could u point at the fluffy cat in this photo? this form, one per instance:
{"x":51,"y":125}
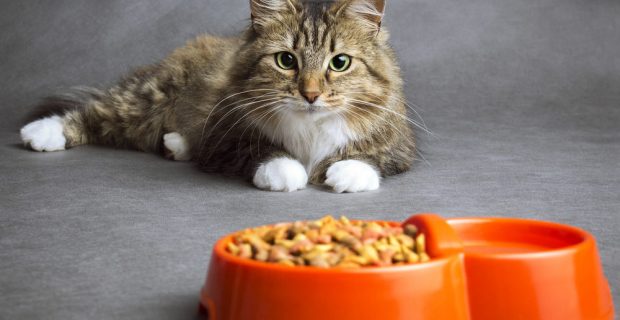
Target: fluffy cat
{"x":309,"y":93}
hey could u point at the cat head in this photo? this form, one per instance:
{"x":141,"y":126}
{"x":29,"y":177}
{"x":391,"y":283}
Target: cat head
{"x":321,"y":57}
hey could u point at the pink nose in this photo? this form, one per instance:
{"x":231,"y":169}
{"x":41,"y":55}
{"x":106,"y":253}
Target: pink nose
{"x":311,"y":96}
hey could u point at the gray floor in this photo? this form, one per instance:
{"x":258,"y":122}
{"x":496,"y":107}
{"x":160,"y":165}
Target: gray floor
{"x":523,"y":99}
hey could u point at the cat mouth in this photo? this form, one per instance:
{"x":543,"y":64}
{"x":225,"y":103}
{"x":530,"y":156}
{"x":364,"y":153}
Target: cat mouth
{"x":312,"y":112}
{"x":318,"y":108}
{"x":314,"y":108}
{"x":309,"y":108}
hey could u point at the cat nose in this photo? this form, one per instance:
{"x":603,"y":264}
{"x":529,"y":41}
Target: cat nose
{"x":310,"y":87}
{"x":311,"y":96}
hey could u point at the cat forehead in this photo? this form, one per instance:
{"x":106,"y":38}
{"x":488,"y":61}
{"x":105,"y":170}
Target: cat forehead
{"x":313,"y":31}
{"x":316,"y":9}
{"x":314,"y":43}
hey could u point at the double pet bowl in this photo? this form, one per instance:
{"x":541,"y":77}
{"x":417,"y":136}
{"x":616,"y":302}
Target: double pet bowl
{"x":480,"y":269}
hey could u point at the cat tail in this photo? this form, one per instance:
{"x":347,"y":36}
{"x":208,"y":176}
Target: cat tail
{"x":90,"y":116}
{"x":60,"y":104}
{"x":45,"y":127}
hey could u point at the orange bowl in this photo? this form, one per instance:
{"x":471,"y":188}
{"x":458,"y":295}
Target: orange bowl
{"x":480,"y":269}
{"x":243,"y":289}
{"x":527,"y":269}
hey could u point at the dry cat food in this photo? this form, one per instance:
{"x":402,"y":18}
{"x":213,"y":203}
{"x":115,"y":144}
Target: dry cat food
{"x":330,"y":242}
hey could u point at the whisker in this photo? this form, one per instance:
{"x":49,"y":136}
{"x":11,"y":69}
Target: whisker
{"x":232,"y":103}
{"x":417,"y":125}
{"x":395,"y":128}
{"x":240,"y":119}
{"x":422,"y":157}
{"x":412,"y":109}
{"x":276,"y":110}
{"x":251,"y":124}
{"x":401,"y":100}
{"x":214,"y":149}
{"x":366,"y":121}
{"x":222,"y":118}
{"x":279,"y":124}
{"x":270,"y":91}
{"x":254,"y":127}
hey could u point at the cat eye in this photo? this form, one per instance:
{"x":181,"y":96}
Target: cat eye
{"x":286,"y":60}
{"x":340,"y":63}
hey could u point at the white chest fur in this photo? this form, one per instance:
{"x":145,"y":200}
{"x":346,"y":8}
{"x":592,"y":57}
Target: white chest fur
{"x":310,"y":139}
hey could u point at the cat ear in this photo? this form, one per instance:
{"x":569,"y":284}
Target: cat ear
{"x":266,"y":11}
{"x":368,"y":12}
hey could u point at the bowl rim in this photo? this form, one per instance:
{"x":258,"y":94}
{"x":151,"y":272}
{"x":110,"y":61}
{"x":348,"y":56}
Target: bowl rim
{"x":219,"y":250}
{"x":586,"y":239}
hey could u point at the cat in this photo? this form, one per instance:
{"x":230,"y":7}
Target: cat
{"x":310,"y":92}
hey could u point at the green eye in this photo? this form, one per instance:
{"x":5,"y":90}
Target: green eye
{"x":340,"y":63}
{"x":286,"y":60}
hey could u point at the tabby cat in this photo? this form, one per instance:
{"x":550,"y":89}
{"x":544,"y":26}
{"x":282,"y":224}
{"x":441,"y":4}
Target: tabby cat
{"x":309,"y":93}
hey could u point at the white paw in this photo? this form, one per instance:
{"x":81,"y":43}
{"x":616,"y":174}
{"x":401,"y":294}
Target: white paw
{"x":44,"y":135}
{"x":176,"y":144}
{"x":352,"y":176}
{"x":281,"y":174}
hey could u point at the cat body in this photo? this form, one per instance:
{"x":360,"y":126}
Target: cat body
{"x":310,"y":92}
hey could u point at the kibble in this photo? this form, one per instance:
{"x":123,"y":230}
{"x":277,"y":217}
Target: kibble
{"x":329,"y":242}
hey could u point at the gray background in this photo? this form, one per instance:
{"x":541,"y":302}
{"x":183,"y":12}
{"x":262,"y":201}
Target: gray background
{"x":523,"y":98}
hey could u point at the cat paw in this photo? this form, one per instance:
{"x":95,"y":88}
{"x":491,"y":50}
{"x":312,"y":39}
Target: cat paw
{"x":177,"y":146}
{"x":44,"y":135}
{"x":352,"y":176}
{"x":281,"y":174}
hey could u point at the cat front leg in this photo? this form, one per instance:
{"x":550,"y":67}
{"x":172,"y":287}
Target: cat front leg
{"x":352,"y":176}
{"x":263,"y":164}
{"x":281,"y":173}
{"x":176,"y":147}
{"x":359,"y":172}
{"x":348,"y":174}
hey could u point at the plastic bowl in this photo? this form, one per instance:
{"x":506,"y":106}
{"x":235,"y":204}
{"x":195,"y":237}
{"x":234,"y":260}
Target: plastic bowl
{"x":480,"y":269}
{"x":527,"y":269}
{"x":243,"y":289}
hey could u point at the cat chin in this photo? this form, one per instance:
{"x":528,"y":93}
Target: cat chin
{"x":316,"y":110}
{"x":313,"y":114}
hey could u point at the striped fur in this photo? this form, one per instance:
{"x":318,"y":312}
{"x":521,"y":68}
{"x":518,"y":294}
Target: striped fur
{"x":228,"y":99}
